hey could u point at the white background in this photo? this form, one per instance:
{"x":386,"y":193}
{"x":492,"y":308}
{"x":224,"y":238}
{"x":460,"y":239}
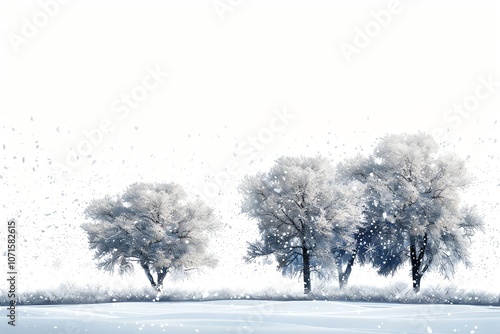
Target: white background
{"x":228,"y":73}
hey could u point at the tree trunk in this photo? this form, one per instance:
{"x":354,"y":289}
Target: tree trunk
{"x":416,"y":262}
{"x":344,"y":275}
{"x":162,"y":272}
{"x":145,"y":266}
{"x":416,"y":281}
{"x":306,"y":270}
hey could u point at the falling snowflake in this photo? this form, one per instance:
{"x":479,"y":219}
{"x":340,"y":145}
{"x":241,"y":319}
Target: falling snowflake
{"x":57,"y":263}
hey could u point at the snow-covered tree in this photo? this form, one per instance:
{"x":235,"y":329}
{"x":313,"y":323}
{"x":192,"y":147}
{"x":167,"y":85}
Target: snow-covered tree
{"x":376,"y":235}
{"x":413,"y":204}
{"x":153,"y":225}
{"x":302,"y":215}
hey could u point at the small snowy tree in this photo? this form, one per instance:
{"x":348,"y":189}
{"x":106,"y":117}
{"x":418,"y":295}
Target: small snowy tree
{"x":153,"y":225}
{"x":302,"y":215}
{"x":415,"y":207}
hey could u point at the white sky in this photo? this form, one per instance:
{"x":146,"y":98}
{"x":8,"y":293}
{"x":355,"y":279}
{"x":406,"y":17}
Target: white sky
{"x":226,"y":78}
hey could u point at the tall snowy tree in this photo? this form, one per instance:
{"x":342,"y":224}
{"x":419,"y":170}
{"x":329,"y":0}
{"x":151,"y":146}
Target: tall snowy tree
{"x":153,"y":225}
{"x":302,"y":215}
{"x":414,"y":203}
{"x":376,"y":235}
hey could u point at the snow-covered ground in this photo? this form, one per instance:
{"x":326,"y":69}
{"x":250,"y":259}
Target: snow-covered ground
{"x":252,"y":316}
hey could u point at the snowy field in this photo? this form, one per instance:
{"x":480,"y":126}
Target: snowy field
{"x":251,"y":316}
